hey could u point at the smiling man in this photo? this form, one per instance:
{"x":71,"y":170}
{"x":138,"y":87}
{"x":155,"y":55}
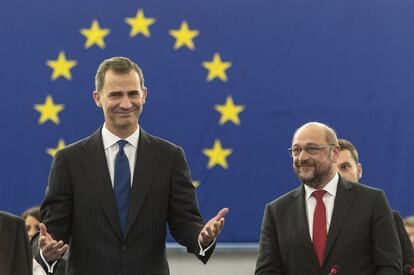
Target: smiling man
{"x":327,"y":221}
{"x":111,"y":195}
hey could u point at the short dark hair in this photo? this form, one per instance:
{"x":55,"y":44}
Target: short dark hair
{"x":119,"y":65}
{"x":33,"y":211}
{"x":347,"y":145}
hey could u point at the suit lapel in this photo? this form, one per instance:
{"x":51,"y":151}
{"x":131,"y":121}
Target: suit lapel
{"x":343,"y":202}
{"x":96,"y":169}
{"x":302,"y":223}
{"x":146,"y":165}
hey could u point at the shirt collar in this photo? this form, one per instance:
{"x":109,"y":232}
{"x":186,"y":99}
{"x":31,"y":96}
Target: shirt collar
{"x":330,"y":188}
{"x":110,"y":139}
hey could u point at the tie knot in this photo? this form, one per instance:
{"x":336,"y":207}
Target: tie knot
{"x":121,"y":144}
{"x":319,"y":194}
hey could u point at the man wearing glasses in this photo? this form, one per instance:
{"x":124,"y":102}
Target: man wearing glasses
{"x":327,"y":223}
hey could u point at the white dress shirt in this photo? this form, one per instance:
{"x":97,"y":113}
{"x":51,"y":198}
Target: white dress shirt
{"x":328,"y":200}
{"x":111,"y":149}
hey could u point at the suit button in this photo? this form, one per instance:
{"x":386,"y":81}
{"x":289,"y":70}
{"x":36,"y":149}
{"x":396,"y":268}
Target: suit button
{"x":124,"y":249}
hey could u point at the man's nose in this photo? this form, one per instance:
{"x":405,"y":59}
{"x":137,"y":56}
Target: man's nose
{"x":303,"y":155}
{"x":125,"y":102}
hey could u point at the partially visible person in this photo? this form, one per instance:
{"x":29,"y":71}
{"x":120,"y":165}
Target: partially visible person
{"x":327,"y":221}
{"x":409,"y":226}
{"x":15,"y":253}
{"x":31,"y":218}
{"x":350,"y":168}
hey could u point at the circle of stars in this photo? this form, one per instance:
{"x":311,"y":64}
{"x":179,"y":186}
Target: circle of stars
{"x":140,"y":25}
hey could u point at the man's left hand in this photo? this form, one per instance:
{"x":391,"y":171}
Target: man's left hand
{"x":212,"y":229}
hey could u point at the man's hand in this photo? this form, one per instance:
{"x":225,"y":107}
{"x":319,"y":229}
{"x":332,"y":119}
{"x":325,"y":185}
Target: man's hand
{"x":52,"y":250}
{"x":212,"y":229}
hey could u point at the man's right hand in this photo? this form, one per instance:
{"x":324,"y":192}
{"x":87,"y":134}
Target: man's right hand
{"x":52,"y":250}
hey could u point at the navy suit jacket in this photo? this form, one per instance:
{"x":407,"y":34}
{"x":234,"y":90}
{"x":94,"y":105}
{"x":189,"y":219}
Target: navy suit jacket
{"x":79,"y":208}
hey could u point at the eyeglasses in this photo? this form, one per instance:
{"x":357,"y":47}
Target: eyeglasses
{"x":310,"y":149}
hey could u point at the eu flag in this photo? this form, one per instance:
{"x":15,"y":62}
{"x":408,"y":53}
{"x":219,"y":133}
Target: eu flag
{"x":229,"y":81}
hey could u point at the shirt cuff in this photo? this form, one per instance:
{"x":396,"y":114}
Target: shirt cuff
{"x":49,"y":267}
{"x":203,"y":251}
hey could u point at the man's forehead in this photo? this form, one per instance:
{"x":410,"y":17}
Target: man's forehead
{"x":309,"y":134}
{"x":345,"y":156}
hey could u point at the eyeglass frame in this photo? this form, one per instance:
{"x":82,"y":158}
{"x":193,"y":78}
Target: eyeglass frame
{"x":306,"y":148}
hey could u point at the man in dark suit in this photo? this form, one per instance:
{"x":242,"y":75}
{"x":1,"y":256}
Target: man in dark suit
{"x":15,"y":256}
{"x":111,"y":195}
{"x":350,"y":168}
{"x":327,"y":221}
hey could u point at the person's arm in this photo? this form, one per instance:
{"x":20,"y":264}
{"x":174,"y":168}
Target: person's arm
{"x":386,"y":249}
{"x":406,"y":246}
{"x":268,"y":260}
{"x":22,"y":260}
{"x":185,"y":222}
{"x":56,"y":212}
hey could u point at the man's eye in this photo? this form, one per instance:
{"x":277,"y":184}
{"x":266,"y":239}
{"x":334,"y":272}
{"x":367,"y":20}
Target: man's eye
{"x":312,"y":149}
{"x":133,"y":94}
{"x":344,"y":167}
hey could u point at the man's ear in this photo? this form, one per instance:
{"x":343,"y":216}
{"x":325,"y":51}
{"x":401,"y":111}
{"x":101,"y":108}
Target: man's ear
{"x":97,"y":98}
{"x":335,"y":153}
{"x":144,"y":95}
{"x":359,"y":169}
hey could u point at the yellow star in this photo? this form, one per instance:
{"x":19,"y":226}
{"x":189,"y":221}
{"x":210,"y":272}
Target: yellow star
{"x":217,"y":155}
{"x":61,"y":66}
{"x":53,"y":151}
{"x":139,"y":24}
{"x":196,"y":183}
{"x":95,"y":35}
{"x":216,"y":68}
{"x":49,"y":110}
{"x":229,"y":111}
{"x":184,"y":36}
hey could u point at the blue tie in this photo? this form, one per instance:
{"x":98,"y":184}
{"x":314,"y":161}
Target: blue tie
{"x":122,"y":185}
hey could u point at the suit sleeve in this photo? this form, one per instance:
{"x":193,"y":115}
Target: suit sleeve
{"x":406,"y":245}
{"x":268,"y":260}
{"x":386,"y":247}
{"x":184,"y":217}
{"x":56,"y":209}
{"x":22,"y":260}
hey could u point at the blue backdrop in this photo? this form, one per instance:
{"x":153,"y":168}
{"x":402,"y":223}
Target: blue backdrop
{"x":229,"y":81}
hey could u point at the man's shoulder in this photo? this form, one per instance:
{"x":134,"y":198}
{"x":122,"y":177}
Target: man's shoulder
{"x":93,"y":139}
{"x":158,"y":141}
{"x":361,"y":187}
{"x":287,"y":198}
{"x":10,"y":218}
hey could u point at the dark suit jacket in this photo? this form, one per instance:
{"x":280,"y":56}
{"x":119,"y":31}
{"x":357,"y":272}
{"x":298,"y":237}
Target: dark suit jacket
{"x":362,"y":238}
{"x":15,"y":255}
{"x":405,"y":242}
{"x":79,"y":207}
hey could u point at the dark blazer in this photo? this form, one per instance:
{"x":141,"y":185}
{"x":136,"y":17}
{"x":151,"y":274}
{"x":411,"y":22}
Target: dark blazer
{"x":362,"y":238}
{"x":79,"y":207}
{"x":15,"y":255}
{"x":405,"y":242}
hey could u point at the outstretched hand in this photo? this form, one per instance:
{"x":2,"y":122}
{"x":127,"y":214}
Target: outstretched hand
{"x":52,"y":250}
{"x":213,"y":228}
